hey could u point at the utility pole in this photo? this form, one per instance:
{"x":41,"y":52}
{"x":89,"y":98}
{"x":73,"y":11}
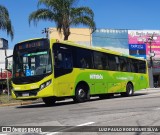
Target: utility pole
{"x":7,"y":79}
{"x":150,"y":39}
{"x":46,"y":31}
{"x":152,"y":54}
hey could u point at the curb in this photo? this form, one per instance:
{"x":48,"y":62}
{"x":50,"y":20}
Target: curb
{"x":13,"y":104}
{"x":149,"y":90}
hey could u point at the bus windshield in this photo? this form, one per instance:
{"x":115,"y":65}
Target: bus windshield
{"x":31,"y":62}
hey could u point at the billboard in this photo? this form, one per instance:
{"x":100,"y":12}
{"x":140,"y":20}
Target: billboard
{"x":145,"y":43}
{"x":137,"y":50}
{"x":143,"y":38}
{"x":113,"y":39}
{"x":5,"y":75}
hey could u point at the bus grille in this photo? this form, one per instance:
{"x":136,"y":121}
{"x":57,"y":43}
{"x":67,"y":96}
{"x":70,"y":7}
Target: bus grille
{"x":26,"y":92}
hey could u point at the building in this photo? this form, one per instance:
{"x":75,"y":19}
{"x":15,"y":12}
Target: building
{"x":4,"y":74}
{"x":2,"y":58}
{"x":113,"y":39}
{"x":3,"y":43}
{"x":79,"y":35}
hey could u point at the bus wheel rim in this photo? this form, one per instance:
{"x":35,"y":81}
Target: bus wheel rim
{"x":130,"y":90}
{"x":81,"y":93}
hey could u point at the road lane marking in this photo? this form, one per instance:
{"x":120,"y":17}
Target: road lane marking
{"x":88,"y":123}
{"x":54,"y":133}
{"x":156,"y":109}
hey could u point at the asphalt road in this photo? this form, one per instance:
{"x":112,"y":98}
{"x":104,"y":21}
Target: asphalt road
{"x":142,"y":109}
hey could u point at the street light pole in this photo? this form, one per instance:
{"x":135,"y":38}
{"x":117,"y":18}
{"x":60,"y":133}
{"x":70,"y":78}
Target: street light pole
{"x":151,"y":54}
{"x":46,"y":31}
{"x":150,"y":39}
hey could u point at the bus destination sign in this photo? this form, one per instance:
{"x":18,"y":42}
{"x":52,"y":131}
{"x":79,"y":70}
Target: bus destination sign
{"x":34,"y":44}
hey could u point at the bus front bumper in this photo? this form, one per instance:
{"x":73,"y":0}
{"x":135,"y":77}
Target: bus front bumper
{"x":33,"y":93}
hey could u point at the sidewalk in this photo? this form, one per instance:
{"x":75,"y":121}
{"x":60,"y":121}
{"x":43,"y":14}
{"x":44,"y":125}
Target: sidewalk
{"x":153,"y":89}
{"x":13,"y":104}
{"x":148,"y":90}
{"x":21,"y":103}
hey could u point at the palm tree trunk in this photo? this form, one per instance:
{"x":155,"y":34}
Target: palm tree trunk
{"x":65,"y":37}
{"x":66,"y":32}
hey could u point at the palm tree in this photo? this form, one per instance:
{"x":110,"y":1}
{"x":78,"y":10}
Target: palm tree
{"x":64,"y":14}
{"x":5,"y":22}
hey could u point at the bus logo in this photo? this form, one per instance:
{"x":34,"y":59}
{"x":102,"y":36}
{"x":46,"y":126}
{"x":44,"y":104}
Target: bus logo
{"x":96,"y":76}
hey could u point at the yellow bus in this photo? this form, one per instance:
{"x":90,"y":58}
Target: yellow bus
{"x":53,"y":70}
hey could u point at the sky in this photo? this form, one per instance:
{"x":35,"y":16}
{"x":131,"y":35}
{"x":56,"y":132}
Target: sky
{"x":109,"y":14}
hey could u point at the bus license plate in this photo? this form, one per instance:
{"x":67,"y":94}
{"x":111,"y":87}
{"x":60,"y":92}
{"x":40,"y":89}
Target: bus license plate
{"x":25,"y":94}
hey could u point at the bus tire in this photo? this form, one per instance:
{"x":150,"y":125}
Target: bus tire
{"x":81,"y":94}
{"x":129,"y":90}
{"x":49,"y":101}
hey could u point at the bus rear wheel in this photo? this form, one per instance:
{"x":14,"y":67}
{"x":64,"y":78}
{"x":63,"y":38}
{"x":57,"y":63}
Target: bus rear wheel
{"x":80,"y":94}
{"x":129,"y":90}
{"x":49,"y":101}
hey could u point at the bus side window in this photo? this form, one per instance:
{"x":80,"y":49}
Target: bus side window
{"x":84,"y":58}
{"x":117,"y":63}
{"x":142,"y":67}
{"x":68,"y":61}
{"x":123,"y":64}
{"x":59,"y":60}
{"x":112,"y":63}
{"x":98,"y":60}
{"x":63,"y":60}
{"x":83,"y":63}
{"x":129,"y":65}
{"x":134,"y":65}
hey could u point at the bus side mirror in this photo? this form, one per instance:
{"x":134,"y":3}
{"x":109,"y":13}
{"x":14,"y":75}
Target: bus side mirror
{"x":59,"y":57}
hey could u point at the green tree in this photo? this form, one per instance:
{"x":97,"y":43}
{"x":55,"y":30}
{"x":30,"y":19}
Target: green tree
{"x":64,"y":14}
{"x":5,"y":22}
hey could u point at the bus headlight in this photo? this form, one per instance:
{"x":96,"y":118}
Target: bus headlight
{"x":45,"y":84}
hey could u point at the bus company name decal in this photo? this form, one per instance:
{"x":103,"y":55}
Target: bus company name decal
{"x":96,"y":76}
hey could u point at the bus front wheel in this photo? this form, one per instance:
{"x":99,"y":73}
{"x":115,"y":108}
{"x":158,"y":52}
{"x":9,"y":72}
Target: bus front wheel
{"x":49,"y":101}
{"x":129,"y":90}
{"x":80,"y":94}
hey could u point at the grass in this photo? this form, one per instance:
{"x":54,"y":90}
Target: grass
{"x":7,"y":99}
